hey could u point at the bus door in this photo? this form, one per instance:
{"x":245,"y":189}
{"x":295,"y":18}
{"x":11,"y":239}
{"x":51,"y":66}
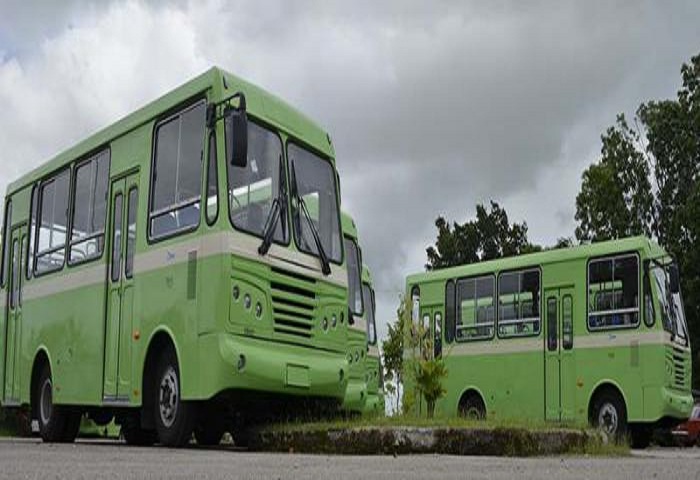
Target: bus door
{"x":18,"y":250}
{"x":436,"y":332}
{"x":120,"y":288}
{"x":558,"y":352}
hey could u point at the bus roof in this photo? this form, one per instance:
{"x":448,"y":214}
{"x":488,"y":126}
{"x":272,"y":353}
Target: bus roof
{"x":366,"y":275}
{"x":639,"y":243}
{"x":217,"y":84}
{"x":348,"y":225}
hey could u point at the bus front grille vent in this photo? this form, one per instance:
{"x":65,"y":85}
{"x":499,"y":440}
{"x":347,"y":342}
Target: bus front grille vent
{"x":293,"y":303}
{"x":677,"y":358}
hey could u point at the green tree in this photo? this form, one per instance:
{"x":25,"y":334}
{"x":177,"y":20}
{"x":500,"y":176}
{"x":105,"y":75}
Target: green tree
{"x":617,"y":198}
{"x":487,"y":237}
{"x":392,"y":352}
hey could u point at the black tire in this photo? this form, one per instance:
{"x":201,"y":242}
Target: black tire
{"x":210,"y":428}
{"x":175,"y":418}
{"x":134,"y":435}
{"x":57,"y":423}
{"x":640,"y":436}
{"x":472,"y":407}
{"x":608,"y":413}
{"x":72,"y":428}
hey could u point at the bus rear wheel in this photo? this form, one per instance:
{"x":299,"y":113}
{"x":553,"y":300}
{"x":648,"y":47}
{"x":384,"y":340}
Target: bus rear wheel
{"x":175,"y":418}
{"x":608,"y":413}
{"x":57,"y":423}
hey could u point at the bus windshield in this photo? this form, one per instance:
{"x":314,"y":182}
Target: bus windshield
{"x":313,"y":181}
{"x":253,"y":188}
{"x":672,"y":314}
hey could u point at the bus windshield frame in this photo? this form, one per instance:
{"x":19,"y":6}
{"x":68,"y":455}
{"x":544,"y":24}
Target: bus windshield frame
{"x":672,"y":311}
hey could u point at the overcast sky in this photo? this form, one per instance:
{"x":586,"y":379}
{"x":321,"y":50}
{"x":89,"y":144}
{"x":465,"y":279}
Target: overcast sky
{"x":433,"y":106}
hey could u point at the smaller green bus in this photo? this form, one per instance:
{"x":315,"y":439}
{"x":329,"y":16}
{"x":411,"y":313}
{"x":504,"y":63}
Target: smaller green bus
{"x":591,"y":334}
{"x":356,"y":345}
{"x":373,"y":364}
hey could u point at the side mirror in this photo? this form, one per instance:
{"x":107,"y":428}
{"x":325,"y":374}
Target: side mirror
{"x":237,"y":132}
{"x":674,"y":279}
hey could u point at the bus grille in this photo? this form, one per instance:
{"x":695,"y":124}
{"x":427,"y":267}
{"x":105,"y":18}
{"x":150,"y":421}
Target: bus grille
{"x":677,"y":357}
{"x":293,"y":303}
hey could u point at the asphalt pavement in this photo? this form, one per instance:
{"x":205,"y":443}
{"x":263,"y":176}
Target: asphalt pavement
{"x":30,"y":459}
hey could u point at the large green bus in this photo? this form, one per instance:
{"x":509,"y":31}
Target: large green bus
{"x":373,"y":363}
{"x":594,"y":333}
{"x":181,"y":270}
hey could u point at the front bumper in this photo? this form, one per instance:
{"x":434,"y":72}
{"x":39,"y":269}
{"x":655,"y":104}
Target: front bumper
{"x":355,"y":396}
{"x":229,"y":361}
{"x":662,"y":402}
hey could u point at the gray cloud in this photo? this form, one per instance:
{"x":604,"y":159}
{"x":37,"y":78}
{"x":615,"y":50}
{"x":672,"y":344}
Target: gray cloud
{"x":432,"y":106}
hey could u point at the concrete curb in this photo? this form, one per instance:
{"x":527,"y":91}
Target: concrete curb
{"x":500,"y":441}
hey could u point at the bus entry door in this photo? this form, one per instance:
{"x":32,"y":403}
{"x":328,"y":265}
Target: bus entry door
{"x":560,"y":374}
{"x":18,"y":251}
{"x":120,"y":289}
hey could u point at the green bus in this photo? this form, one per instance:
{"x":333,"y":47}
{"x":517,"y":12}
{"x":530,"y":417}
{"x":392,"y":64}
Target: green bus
{"x":356,"y":393}
{"x":180,"y":271}
{"x":591,"y":334}
{"x":364,"y":393}
{"x":373,"y":363}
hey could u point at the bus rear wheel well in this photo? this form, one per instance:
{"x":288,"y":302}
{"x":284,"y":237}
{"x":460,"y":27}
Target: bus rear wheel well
{"x":471,"y":405}
{"x":160,"y":343}
{"x":40,"y":361}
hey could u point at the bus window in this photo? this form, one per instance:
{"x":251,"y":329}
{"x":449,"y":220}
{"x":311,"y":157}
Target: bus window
{"x":89,"y":209}
{"x":613,"y":292}
{"x":567,"y":322}
{"x":212,"y":207}
{"x":132,"y":208}
{"x":519,"y":303}
{"x":50,"y":248}
{"x":552,"y":324}
{"x":450,"y":311}
{"x":32,"y":231}
{"x":177,"y":173}
{"x":475,"y":312}
{"x":6,"y":240}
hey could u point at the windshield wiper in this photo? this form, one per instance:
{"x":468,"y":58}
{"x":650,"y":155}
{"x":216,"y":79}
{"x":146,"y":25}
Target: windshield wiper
{"x":325,"y":264}
{"x":278,"y":212}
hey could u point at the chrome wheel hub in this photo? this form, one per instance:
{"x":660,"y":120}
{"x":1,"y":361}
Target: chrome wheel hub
{"x":168,"y":397}
{"x":608,"y":418}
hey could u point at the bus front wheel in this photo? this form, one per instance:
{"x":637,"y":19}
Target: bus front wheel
{"x":57,"y":423}
{"x":175,"y":418}
{"x":472,"y":407}
{"x":609,"y":414}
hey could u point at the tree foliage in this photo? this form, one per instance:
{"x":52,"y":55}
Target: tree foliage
{"x":392,"y":351}
{"x":487,"y":237}
{"x":617,"y":198}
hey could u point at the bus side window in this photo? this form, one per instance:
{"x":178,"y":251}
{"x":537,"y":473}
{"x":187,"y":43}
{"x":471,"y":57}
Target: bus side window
{"x":176,"y":182}
{"x":450,"y":311}
{"x":567,"y":322}
{"x":613,"y":292}
{"x":6,"y":240}
{"x":53,"y":227}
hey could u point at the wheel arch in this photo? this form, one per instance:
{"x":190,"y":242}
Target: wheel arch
{"x":601,"y":386}
{"x":468,"y":391}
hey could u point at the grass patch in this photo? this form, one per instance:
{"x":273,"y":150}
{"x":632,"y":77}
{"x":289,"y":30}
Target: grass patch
{"x":416,"y":422}
{"x":511,"y":437}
